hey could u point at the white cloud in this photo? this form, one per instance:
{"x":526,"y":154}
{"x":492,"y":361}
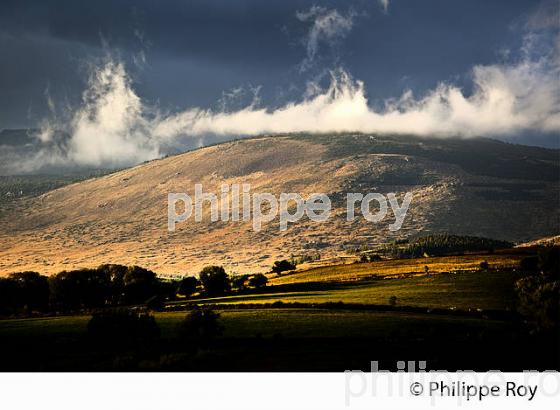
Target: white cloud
{"x":113,"y":127}
{"x":506,"y":100}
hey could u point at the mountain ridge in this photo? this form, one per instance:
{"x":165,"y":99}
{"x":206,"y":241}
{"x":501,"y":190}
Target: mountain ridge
{"x":477,"y":187}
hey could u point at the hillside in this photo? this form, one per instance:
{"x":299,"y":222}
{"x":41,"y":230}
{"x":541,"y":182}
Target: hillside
{"x":550,"y":241}
{"x":469,"y":187}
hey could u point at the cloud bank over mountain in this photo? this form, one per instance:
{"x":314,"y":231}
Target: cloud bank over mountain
{"x":113,"y":126}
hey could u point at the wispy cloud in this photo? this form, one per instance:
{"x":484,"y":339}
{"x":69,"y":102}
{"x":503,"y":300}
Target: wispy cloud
{"x":546,"y":15}
{"x":384,"y":5}
{"x":114,"y":127}
{"x":326,"y":26}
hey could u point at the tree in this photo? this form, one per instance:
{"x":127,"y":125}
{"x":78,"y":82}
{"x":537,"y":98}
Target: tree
{"x":200,"y":327}
{"x":437,"y":245}
{"x":78,"y":289}
{"x":215,"y":280}
{"x":63,"y":291}
{"x":258,"y":280}
{"x":139,"y":285}
{"x":484,"y":265}
{"x":106,"y":285}
{"x":187,"y":286}
{"x":167,"y":289}
{"x":282,"y":266}
{"x":31,"y":290}
{"x":115,"y":274}
{"x":123,"y":328}
{"x":239,"y":282}
{"x":7,"y":293}
{"x":393,"y":301}
{"x":95,"y":288}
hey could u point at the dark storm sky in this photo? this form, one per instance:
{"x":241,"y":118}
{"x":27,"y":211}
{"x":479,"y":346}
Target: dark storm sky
{"x":196,"y":49}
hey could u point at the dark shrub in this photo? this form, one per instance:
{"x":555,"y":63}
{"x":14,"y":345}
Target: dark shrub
{"x":539,"y":301}
{"x":188,"y":286}
{"x":258,"y":281}
{"x":539,"y":293}
{"x":167,"y":289}
{"x":123,"y":328}
{"x":282,"y":266}
{"x":200,"y":327}
{"x":484,"y":265}
{"x":529,"y":264}
{"x":549,"y":261}
{"x":156,"y":303}
{"x":239,"y":282}
{"x":215,"y":280}
{"x":393,"y":301}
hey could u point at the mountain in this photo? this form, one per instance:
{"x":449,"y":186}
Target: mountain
{"x":478,"y":187}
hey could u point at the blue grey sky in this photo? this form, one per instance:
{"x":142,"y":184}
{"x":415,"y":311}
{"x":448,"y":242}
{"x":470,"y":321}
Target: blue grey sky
{"x":190,"y":53}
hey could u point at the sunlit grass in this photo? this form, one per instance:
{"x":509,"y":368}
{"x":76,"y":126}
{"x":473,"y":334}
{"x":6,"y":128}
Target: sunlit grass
{"x":357,"y":271}
{"x":469,"y":290}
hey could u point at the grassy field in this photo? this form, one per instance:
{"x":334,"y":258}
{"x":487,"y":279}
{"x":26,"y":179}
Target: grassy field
{"x":399,"y":267}
{"x":314,"y":323}
{"x":452,"y":282}
{"x":33,"y":328}
{"x":310,"y":336}
{"x":277,"y":340}
{"x":364,"y":283}
{"x":467,"y":290}
{"x":248,"y":323}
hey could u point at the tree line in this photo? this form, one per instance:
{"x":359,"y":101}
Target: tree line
{"x":111,"y":285}
{"x":444,"y":244}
